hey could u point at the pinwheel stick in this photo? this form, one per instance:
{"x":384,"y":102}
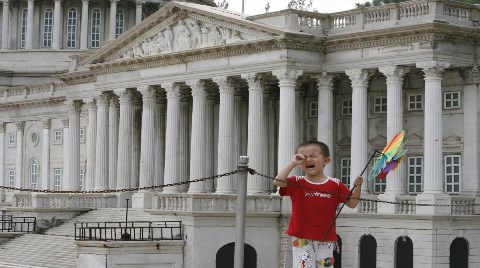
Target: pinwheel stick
{"x":349,"y":195}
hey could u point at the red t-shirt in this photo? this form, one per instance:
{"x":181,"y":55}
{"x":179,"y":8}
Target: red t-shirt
{"x":314,"y":210}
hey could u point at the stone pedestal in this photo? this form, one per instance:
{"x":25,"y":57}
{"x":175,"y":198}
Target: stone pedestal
{"x":142,"y":199}
{"x":122,"y":199}
{"x":441,"y":199}
{"x":385,"y":207}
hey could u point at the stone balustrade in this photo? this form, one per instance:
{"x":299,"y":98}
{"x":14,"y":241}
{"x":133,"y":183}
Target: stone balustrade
{"x":368,"y":206}
{"x":462,"y":205}
{"x":407,"y":205}
{"x":64,"y":200}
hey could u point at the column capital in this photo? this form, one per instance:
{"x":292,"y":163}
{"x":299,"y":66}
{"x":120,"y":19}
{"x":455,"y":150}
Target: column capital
{"x":113,"y":1}
{"x":30,"y":1}
{"x":359,"y":77}
{"x":198,"y":87}
{"x":20,"y":125}
{"x":124,"y":94}
{"x":225,"y":84}
{"x":57,"y":1}
{"x":288,"y":76}
{"x":85,"y":2}
{"x":140,"y":2}
{"x":433,"y":69}
{"x":393,"y":73}
{"x":6,"y":2}
{"x":73,"y":105}
{"x":115,"y":102}
{"x":254,"y":81}
{"x":90,"y":103}
{"x":46,"y":123}
{"x":172,"y":89}
{"x":325,"y":81}
{"x":148,"y":92}
{"x":65,"y":122}
{"x":471,"y":75}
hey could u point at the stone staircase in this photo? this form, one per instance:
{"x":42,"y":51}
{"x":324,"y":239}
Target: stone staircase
{"x":57,"y":248}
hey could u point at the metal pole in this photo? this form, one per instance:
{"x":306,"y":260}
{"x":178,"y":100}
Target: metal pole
{"x":243,"y":12}
{"x":241,"y":211}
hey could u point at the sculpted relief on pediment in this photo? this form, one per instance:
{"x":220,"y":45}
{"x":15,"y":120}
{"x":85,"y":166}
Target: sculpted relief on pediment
{"x":184,"y":34}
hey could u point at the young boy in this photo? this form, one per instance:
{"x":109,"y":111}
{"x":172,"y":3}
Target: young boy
{"x":315,"y":198}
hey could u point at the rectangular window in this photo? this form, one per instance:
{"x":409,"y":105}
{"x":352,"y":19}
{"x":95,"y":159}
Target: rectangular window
{"x":72,"y":28}
{"x":313,"y":109}
{"x":451,"y":100}
{"x":82,"y":134}
{"x":57,"y":179}
{"x":95,"y":34}
{"x":47,"y":27}
{"x":23,"y":30}
{"x":11,"y":178}
{"x":119,"y":23}
{"x":415,"y":173}
{"x":82,"y":179}
{"x":379,"y":185}
{"x":57,"y":136}
{"x":12,"y":138}
{"x":452,"y":174}
{"x":33,"y":174}
{"x":380,"y":106}
{"x":415,"y":102}
{"x":346,"y":107}
{"x":345,"y":170}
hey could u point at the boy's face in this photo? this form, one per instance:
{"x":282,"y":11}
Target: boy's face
{"x":315,"y":161}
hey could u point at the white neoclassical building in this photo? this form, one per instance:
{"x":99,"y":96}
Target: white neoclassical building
{"x":86,"y":105}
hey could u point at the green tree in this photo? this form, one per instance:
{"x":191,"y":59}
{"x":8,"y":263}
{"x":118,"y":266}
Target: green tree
{"x":383,"y":2}
{"x":305,"y":5}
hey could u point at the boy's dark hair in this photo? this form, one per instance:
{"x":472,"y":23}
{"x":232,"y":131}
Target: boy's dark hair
{"x":323,"y":147}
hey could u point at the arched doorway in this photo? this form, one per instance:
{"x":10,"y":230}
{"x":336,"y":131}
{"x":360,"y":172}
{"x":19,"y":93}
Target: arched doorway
{"x":368,"y":252}
{"x":337,"y":255}
{"x":459,"y":253}
{"x":226,"y":256}
{"x":404,"y":252}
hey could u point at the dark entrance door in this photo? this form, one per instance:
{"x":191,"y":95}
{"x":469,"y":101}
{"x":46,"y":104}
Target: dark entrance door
{"x":368,"y":252}
{"x":226,"y":256}
{"x":404,"y":254}
{"x":459,"y":253}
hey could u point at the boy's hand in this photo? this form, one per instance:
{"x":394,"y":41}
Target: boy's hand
{"x":358,"y":181}
{"x":299,"y":159}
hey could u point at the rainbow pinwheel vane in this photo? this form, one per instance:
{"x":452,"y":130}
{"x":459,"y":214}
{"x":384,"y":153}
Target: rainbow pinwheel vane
{"x":391,"y":157}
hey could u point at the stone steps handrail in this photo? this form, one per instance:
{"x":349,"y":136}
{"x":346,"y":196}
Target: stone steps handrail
{"x":64,"y":200}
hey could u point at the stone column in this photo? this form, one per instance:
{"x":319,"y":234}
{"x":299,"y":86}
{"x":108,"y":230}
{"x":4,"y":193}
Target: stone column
{"x":287,"y":129}
{"x":257,"y":145}
{"x":2,"y":159}
{"x":29,"y":35}
{"x":66,"y":152}
{"x":136,"y":135}
{"x":210,"y":142}
{"x":325,"y":129}
{"x":198,"y":138}
{"x":6,"y":25}
{"x":113,"y":121}
{"x":225,"y":158}
{"x":113,"y":20}
{"x":471,"y":134}
{"x":143,"y":198}
{"x":91,"y":144}
{"x":396,"y":181}
{"x":73,"y":181}
{"x":19,"y":183}
{"x":125,"y":154}
{"x":57,"y":25}
{"x":101,"y":159}
{"x":172,"y":140}
{"x":159,"y":141}
{"x":46,"y":124}
{"x":433,"y":141}
{"x":359,"y":135}
{"x":84,"y":26}
{"x":184,"y":143}
{"x":138,"y":11}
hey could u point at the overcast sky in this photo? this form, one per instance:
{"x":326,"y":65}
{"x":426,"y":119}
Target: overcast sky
{"x":254,"y":7}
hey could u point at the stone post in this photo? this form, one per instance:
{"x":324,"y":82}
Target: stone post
{"x":72,"y":183}
{"x":84,"y":26}
{"x":91,"y":144}
{"x":101,"y":159}
{"x":325,"y":118}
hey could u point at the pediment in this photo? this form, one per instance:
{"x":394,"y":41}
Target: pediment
{"x":379,"y":142}
{"x":181,"y":27}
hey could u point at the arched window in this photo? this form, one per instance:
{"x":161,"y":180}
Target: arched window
{"x":23,"y":30}
{"x":404,"y":252}
{"x":226,"y":254}
{"x":72,"y":28}
{"x":95,"y":32}
{"x":47,"y":27}
{"x":368,"y":252}
{"x":459,"y":253}
{"x":337,"y":253}
{"x":119,"y":23}
{"x":33,"y":174}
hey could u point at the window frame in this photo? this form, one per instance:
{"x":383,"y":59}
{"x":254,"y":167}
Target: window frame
{"x":452,"y":173}
{"x":57,"y":179}
{"x":71,"y":28}
{"x":23,"y":27}
{"x":346,"y":110}
{"x":382,"y":105}
{"x":415,"y":102}
{"x":47,"y":29}
{"x":313,"y":109}
{"x":11,"y":177}
{"x":451,"y":100}
{"x":345,"y":170}
{"x":119,"y":23}
{"x":414,"y":175}
{"x":95,"y":36}
{"x":34,"y":174}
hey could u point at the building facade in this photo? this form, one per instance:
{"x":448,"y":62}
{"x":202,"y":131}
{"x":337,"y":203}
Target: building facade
{"x":187,"y":90}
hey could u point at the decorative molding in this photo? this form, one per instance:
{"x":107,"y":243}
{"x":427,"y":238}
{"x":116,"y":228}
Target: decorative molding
{"x":288,"y":76}
{"x":393,"y":73}
{"x":433,"y":69}
{"x":471,"y":75}
{"x":325,"y":81}
{"x":46,"y":123}
{"x":359,"y":77}
{"x":20,"y":125}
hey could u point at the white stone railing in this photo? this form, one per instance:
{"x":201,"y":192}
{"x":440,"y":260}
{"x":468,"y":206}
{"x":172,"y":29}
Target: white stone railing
{"x":24,"y":93}
{"x":368,"y":206}
{"x":64,"y":200}
{"x":462,"y":205}
{"x":407,"y":204}
{"x":215,"y":202}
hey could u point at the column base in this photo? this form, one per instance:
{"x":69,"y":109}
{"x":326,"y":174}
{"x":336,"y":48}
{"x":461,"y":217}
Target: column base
{"x":122,"y":199}
{"x":142,"y":199}
{"x":441,"y":199}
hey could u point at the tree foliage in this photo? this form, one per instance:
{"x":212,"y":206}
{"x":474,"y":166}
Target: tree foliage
{"x":306,"y":5}
{"x":384,"y":2}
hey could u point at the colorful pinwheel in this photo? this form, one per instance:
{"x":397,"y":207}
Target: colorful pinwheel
{"x":390,"y":158}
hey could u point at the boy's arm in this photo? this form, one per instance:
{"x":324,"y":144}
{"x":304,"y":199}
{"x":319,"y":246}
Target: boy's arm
{"x":353,"y":201}
{"x":281,"y":178}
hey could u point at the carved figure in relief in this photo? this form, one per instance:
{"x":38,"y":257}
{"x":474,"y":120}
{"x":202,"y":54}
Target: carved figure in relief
{"x":197,"y":35}
{"x":182,"y":36}
{"x":234,"y":37}
{"x":205,"y":31}
{"x":158,"y":45}
{"x":214,"y":37}
{"x":138,"y":51}
{"x":168,"y":33}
